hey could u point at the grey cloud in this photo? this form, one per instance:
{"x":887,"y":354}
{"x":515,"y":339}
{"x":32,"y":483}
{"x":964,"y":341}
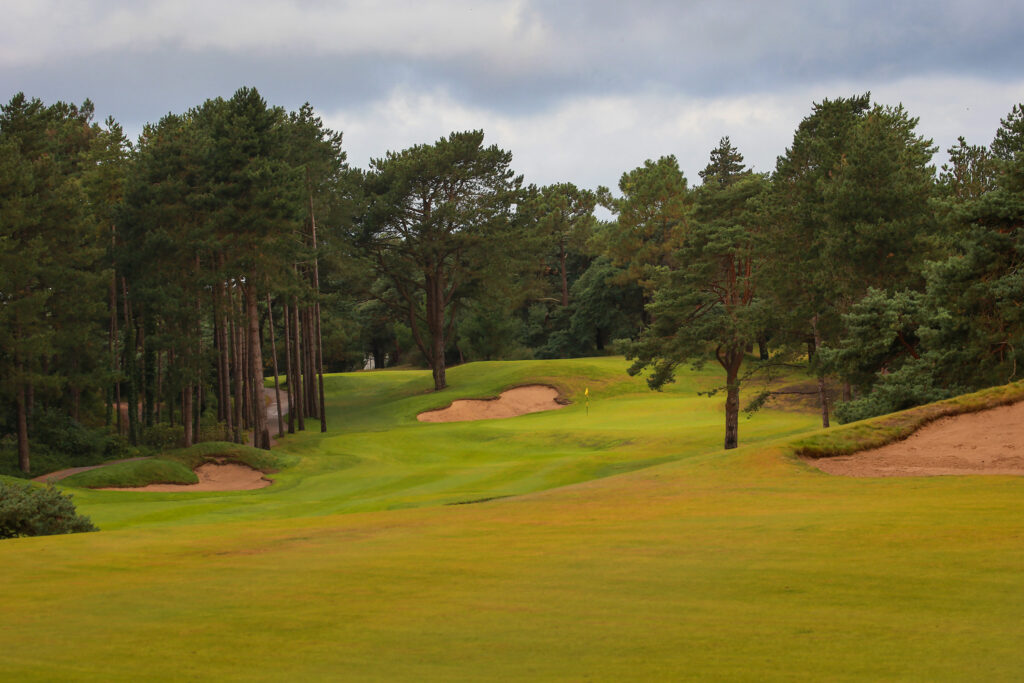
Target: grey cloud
{"x":702,"y":49}
{"x":682,"y":52}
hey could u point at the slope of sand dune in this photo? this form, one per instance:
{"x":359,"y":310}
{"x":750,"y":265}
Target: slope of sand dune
{"x":987,"y":442}
{"x":213,"y":477}
{"x":533,"y":398}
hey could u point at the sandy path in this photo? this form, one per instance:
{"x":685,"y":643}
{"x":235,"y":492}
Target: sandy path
{"x":533,"y":398}
{"x":987,"y":442}
{"x":213,"y":477}
{"x":270,"y":399}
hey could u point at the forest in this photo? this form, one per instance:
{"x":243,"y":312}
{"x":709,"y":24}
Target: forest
{"x":152,"y":291}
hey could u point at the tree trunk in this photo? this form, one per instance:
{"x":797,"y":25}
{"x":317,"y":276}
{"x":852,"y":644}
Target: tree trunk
{"x":159,"y":384}
{"x":565,"y":278}
{"x":319,"y":356}
{"x":186,"y":413}
{"x":148,"y":374}
{"x":130,"y":367}
{"x":314,"y":403}
{"x":261,"y":435}
{"x":435,"y":324}
{"x":245,"y":367}
{"x":732,"y":399}
{"x":198,"y":414}
{"x":170,"y":394}
{"x":309,"y":380}
{"x":23,"y":453}
{"x":236,"y":347}
{"x":197,"y":368}
{"x":224,"y":360}
{"x":273,"y":353}
{"x":219,"y":349}
{"x":76,"y":400}
{"x":289,"y":370}
{"x":112,"y":343}
{"x":295,"y":383}
{"x":822,"y":391}
{"x":320,"y":367}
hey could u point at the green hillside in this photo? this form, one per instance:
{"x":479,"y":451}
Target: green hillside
{"x":693,"y":563}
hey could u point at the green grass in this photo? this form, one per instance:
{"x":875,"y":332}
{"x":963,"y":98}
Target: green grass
{"x":745,"y":564}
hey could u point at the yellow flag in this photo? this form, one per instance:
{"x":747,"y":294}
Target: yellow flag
{"x":586,"y":392}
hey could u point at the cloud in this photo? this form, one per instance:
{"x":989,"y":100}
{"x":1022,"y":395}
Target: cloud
{"x":526,"y":54}
{"x":579,"y":90}
{"x":51,"y":31}
{"x":591,"y":140}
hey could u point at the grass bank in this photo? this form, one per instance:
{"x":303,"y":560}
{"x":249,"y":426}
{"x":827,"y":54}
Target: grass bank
{"x":744,"y":564}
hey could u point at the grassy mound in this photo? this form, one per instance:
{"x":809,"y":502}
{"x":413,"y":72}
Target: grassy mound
{"x":177,"y":467}
{"x":267,"y":462}
{"x":133,"y":474}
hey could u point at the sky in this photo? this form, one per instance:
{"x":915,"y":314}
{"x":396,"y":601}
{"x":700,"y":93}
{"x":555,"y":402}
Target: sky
{"x":578,"y":90}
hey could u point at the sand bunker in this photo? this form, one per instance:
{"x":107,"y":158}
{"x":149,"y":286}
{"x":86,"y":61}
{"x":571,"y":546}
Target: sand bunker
{"x":988,"y":442}
{"x":213,"y":477}
{"x":534,"y":398}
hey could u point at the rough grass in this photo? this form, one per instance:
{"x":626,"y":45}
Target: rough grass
{"x":132,"y":474}
{"x":227,"y":452}
{"x":714,"y":565}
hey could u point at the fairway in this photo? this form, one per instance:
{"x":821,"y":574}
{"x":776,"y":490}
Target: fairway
{"x":609,"y":544}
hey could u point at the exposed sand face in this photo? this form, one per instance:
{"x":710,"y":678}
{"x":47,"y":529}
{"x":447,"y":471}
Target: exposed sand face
{"x":988,"y":442}
{"x":534,"y":398}
{"x":213,"y":477}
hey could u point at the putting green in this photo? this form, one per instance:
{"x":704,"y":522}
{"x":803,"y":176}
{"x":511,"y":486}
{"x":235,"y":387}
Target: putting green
{"x":725,"y":565}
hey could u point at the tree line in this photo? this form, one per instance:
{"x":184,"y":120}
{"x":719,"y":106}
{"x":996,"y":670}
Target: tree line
{"x":148,"y":288}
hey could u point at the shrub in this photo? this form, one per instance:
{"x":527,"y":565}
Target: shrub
{"x":35,"y":511}
{"x":162,"y":436}
{"x":61,"y":433}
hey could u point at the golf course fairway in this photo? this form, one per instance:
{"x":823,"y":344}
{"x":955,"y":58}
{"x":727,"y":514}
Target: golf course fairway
{"x":609,"y":542}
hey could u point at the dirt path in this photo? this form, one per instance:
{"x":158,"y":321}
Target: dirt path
{"x":64,"y":474}
{"x":533,"y":398}
{"x":987,"y":442}
{"x":270,"y":398}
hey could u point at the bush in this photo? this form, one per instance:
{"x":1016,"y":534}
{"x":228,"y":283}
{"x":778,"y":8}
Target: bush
{"x":35,"y":511}
{"x":60,"y":433}
{"x":162,"y":436}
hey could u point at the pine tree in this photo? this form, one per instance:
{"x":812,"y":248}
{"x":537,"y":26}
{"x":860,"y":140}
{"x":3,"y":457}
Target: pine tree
{"x":710,"y":300}
{"x":439,"y":219}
